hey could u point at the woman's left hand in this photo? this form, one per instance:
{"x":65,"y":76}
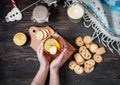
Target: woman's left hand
{"x":56,"y":63}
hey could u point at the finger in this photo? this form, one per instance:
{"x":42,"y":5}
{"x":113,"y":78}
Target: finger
{"x":40,"y":48}
{"x":49,"y":36}
{"x":64,"y":48}
{"x":62,"y":54}
{"x":55,"y":34}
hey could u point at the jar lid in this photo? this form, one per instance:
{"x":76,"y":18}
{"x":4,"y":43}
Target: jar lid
{"x":40,"y":13}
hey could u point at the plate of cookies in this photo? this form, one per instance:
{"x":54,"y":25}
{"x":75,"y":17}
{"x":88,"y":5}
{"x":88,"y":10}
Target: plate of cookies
{"x":89,"y":54}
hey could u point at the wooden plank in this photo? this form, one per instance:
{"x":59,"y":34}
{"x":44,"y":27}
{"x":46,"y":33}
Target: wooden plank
{"x":18,"y":65}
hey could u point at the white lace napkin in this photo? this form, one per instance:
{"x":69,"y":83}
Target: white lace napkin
{"x":104,"y":17}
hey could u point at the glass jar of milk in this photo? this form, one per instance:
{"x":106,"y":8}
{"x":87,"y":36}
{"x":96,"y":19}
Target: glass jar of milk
{"x":75,"y":12}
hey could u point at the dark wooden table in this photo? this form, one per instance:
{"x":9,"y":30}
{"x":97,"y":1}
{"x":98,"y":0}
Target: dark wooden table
{"x":18,"y":65}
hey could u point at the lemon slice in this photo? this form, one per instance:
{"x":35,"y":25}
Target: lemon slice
{"x":39,"y":35}
{"x":20,"y":39}
{"x":48,"y":32}
{"x":44,"y":33}
{"x":53,"y":50}
{"x":51,"y":42}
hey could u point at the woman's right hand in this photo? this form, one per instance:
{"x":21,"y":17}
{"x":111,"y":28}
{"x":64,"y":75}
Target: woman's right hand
{"x":43,"y":58}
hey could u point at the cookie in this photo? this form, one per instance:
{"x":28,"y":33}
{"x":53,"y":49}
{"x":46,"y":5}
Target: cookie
{"x":72,"y":65}
{"x":86,"y":54}
{"x":78,"y":69}
{"x":79,"y":41}
{"x":89,"y":63}
{"x":78,"y":58}
{"x":20,"y":39}
{"x":100,"y":51}
{"x":87,"y":39}
{"x":82,"y":48}
{"x":93,"y":47}
{"x":87,"y":46}
{"x":97,"y":58}
{"x":88,"y":70}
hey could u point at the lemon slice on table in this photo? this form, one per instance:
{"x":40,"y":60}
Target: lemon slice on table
{"x":20,"y":39}
{"x":51,"y":42}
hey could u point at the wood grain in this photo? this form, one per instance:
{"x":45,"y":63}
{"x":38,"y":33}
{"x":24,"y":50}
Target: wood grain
{"x":18,"y":65}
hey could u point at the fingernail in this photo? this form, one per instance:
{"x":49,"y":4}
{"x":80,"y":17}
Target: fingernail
{"x":65,"y":46}
{"x":55,"y":34}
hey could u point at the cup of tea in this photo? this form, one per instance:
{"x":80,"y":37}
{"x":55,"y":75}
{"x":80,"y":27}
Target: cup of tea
{"x":53,"y":46}
{"x":75,"y":12}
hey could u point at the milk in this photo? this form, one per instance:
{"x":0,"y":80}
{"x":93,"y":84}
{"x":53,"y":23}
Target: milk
{"x":75,"y":12}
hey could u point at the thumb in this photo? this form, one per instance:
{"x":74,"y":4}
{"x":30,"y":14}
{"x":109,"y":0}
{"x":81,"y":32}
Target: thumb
{"x":40,"y":48}
{"x":63,"y":53}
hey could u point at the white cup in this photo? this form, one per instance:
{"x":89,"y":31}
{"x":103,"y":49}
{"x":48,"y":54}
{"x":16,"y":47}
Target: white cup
{"x":75,"y":12}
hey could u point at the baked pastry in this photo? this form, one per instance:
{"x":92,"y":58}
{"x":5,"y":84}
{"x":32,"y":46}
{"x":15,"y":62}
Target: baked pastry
{"x":72,"y":65}
{"x":93,"y":47}
{"x":89,"y":63}
{"x":81,"y":49}
{"x":88,"y":70}
{"x":87,"y":46}
{"x":86,"y":54}
{"x":79,"y":41}
{"x":79,"y":59}
{"x":78,"y":69}
{"x":100,"y":51}
{"x":87,"y":39}
{"x":97,"y":58}
{"x":89,"y":54}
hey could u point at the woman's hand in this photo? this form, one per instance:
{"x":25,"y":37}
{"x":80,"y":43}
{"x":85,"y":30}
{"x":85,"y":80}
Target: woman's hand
{"x":56,"y":63}
{"x":43,"y":58}
{"x":42,"y":73}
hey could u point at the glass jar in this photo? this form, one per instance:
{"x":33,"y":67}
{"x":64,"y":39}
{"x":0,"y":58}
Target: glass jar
{"x":75,"y":12}
{"x":53,"y":41}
